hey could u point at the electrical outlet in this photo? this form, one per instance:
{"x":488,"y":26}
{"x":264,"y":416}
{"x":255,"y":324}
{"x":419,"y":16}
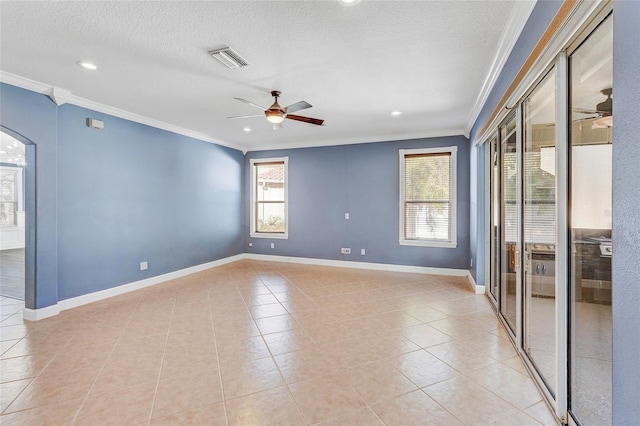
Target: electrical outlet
{"x":250,"y":244}
{"x":345,"y":250}
{"x":346,"y":216}
{"x":362,"y":252}
{"x":144,"y":266}
{"x":472,"y":263}
{"x":273,"y":245}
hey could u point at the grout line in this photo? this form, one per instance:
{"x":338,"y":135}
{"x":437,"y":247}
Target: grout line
{"x":215,"y":344}
{"x":164,"y":352}
{"x":75,"y":417}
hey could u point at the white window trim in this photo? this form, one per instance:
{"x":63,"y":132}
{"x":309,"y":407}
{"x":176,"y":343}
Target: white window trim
{"x":253,"y":233}
{"x":452,"y":242}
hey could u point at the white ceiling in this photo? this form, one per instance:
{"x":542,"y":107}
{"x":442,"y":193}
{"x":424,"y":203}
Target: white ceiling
{"x":354,"y":64}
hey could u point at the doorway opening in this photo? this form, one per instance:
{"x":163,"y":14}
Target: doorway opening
{"x":12,"y":217}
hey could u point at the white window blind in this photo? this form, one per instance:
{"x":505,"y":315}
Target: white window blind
{"x":428,"y":197}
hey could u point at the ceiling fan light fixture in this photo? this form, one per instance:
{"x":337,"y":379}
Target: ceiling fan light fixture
{"x":274,"y":116}
{"x":603,"y":122}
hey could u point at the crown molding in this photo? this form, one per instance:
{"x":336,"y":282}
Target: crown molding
{"x":361,"y":140}
{"x":515,"y":24}
{"x":62,"y":96}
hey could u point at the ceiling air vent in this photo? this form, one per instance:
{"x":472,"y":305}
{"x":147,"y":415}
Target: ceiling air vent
{"x":229,"y":57}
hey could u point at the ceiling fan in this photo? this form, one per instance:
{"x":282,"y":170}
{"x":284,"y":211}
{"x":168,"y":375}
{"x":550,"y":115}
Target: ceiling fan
{"x":276,"y":114}
{"x":603,"y":113}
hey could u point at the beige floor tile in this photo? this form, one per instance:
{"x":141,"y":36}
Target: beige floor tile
{"x":349,"y":353}
{"x":422,"y":368}
{"x":126,"y":406}
{"x":541,"y":413}
{"x":520,"y":419}
{"x":185,"y":393}
{"x":242,"y":350}
{"x":209,"y":415}
{"x":517,"y":364}
{"x":469,"y":402}
{"x":461,"y":356}
{"x":271,"y":407}
{"x":10,"y":390}
{"x":288,"y":341}
{"x":413,"y":408}
{"x":508,"y":384}
{"x":269,"y":310}
{"x":22,"y":367}
{"x":55,"y":386}
{"x":359,"y":417}
{"x":426,"y":314}
{"x":391,"y":345}
{"x":325,"y":397}
{"x":180,"y":361}
{"x":303,"y":365}
{"x":378,"y":380}
{"x":11,"y":332}
{"x":248,"y":377}
{"x":424,"y":335}
{"x":55,"y":414}
{"x":337,"y":337}
{"x":276,"y":324}
{"x":128,"y":371}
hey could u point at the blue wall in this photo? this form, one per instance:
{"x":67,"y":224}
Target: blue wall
{"x":362,"y":180}
{"x":626,"y":212}
{"x":109,"y":199}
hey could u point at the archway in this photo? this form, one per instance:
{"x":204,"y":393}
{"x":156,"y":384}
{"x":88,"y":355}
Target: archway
{"x":26,"y":162}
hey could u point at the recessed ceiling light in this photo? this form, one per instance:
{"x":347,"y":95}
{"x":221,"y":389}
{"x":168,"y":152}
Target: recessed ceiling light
{"x":87,"y":65}
{"x":349,"y":2}
{"x":396,"y":113}
{"x":246,"y":129}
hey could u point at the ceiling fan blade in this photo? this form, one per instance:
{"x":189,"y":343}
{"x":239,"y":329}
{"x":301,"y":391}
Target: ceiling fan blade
{"x":245,"y":116}
{"x":277,"y":126}
{"x":309,"y":120}
{"x":250,"y":103}
{"x":298,"y":106}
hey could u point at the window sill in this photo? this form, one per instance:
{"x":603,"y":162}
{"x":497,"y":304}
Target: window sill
{"x":429,"y":243}
{"x":266,"y":235}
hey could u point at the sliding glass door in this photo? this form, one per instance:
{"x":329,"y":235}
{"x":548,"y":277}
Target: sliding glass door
{"x":550,"y":196}
{"x":539,"y":228}
{"x":590,"y":223}
{"x":509,"y":221}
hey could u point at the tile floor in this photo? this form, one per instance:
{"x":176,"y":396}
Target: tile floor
{"x":265,"y":343}
{"x":12,"y":273}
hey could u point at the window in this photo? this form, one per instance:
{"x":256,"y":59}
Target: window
{"x":269,"y":197}
{"x":10,"y":195}
{"x":428,"y":197}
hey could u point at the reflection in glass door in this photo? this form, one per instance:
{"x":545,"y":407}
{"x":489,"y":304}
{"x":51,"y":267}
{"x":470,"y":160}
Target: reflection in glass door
{"x":494,"y":215}
{"x":509,"y":180}
{"x":590,"y":221}
{"x":539,"y":229}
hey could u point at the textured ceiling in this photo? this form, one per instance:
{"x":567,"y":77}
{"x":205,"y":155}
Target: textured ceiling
{"x":354,"y":64}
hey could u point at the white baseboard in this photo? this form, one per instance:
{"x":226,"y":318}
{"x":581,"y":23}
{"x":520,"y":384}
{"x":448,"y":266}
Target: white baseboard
{"x":42,"y":313}
{"x":373,"y":266}
{"x":74,"y":302}
{"x":479,"y":289}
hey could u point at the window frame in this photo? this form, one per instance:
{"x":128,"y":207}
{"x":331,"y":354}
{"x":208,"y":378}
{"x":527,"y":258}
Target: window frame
{"x":451,"y":152}
{"x":253,"y":205}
